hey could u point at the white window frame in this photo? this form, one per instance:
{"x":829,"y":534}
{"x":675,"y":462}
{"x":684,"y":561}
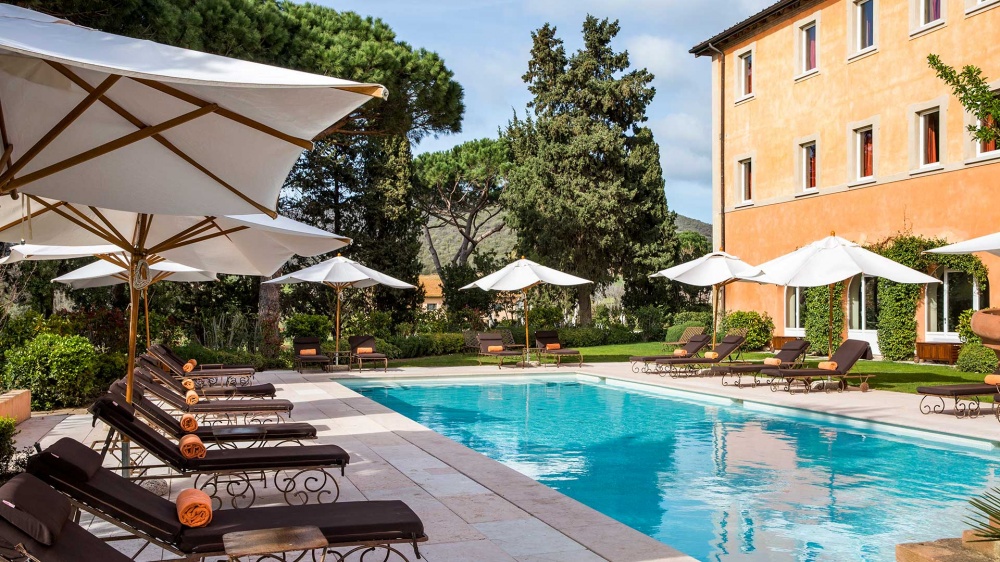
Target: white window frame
{"x":950,"y":333}
{"x":862,"y":309}
{"x":796,"y":313}
{"x":804,"y":166}
{"x":804,"y":69}
{"x":973,"y":7}
{"x":922,"y":138}
{"x":742,"y":167}
{"x":854,"y":8}
{"x":750,"y":51}
{"x":859,"y":155}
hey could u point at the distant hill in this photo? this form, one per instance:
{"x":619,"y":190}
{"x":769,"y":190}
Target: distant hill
{"x":447,"y":240}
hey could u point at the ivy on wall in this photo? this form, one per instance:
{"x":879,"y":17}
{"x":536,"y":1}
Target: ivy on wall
{"x":817,"y":315}
{"x":897,"y":324}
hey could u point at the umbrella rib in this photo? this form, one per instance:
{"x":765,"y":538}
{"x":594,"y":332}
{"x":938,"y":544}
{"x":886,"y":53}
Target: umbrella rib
{"x":105,"y":233}
{"x":116,"y":260}
{"x":197,"y":228}
{"x":81,"y":223}
{"x":55,"y":131}
{"x":139,"y":124}
{"x":223,"y":112}
{"x":120,"y":142}
{"x":18,"y":221}
{"x":106,"y":222}
{"x":189,"y":241}
{"x":3,"y":131}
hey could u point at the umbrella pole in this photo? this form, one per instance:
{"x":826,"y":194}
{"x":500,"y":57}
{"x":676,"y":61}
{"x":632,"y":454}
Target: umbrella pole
{"x":133,"y":328}
{"x":829,"y":343}
{"x":145,"y":305}
{"x":337,"y":353}
{"x":715,"y":313}
{"x":526,"y":344}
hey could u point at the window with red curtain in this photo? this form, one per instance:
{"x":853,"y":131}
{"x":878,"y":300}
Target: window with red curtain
{"x":931,"y":140}
{"x":809,"y":47}
{"x":747,"y":74}
{"x":809,"y":166}
{"x":932,"y":11}
{"x":866,"y":144}
{"x":989,"y":146}
{"x":747,"y":166}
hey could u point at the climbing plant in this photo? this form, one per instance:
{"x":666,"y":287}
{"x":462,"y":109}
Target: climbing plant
{"x":818,"y":317}
{"x":897,"y":323}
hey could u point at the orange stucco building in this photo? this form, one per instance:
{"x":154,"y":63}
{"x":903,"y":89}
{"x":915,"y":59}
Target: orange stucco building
{"x":827,"y":117}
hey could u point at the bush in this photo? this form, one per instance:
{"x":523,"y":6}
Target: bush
{"x":650,"y":320}
{"x":109,"y":367}
{"x":206,"y":355}
{"x":421,"y":345}
{"x":702,"y":318}
{"x":582,"y":337}
{"x":965,"y":332}
{"x":674,"y":332}
{"x":376,"y":323}
{"x":618,"y":334}
{"x":545,"y":317}
{"x":59,"y":370}
{"x":759,"y":327}
{"x":818,"y":318}
{"x":308,"y":326}
{"x":977,"y":358}
{"x":20,"y":328}
{"x":12,"y":462}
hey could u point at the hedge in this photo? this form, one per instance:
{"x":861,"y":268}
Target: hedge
{"x":818,"y":317}
{"x":759,"y":327}
{"x":59,"y":370}
{"x":977,"y":358}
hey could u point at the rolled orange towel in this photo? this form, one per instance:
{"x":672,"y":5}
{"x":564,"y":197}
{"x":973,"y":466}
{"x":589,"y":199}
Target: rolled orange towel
{"x":188,"y":367}
{"x":552,"y":346}
{"x":992,"y":379}
{"x":192,"y":447}
{"x":363,"y":350}
{"x":308,"y":352}
{"x":773,"y":361}
{"x":189,"y":423}
{"x":680,"y":352}
{"x":711,"y":355}
{"x":194,"y":508}
{"x":191,"y":397}
{"x":492,"y":348}
{"x":828,"y":365}
{"x":193,"y":362}
{"x":187,"y":383}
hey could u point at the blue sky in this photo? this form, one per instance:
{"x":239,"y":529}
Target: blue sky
{"x":486,"y":43}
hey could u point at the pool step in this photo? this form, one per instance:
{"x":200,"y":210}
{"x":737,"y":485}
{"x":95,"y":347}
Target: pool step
{"x":965,"y":549}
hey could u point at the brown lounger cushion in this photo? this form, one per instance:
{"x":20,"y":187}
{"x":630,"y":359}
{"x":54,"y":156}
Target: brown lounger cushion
{"x":34,"y":508}
{"x":965,"y":389}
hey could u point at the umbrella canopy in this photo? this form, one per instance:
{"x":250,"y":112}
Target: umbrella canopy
{"x":522,"y":275}
{"x":341,"y":273}
{"x":716,"y":269}
{"x":989,"y":243}
{"x":123,"y":123}
{"x":105,"y":274}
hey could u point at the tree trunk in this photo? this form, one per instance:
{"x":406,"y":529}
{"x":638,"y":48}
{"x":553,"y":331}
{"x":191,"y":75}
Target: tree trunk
{"x":269,"y":317}
{"x":583,"y":294}
{"x":433,"y":250}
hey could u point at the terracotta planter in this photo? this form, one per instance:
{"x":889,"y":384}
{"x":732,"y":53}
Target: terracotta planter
{"x":986,"y":325}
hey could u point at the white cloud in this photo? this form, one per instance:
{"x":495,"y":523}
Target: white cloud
{"x":666,"y":58}
{"x":683,"y":129}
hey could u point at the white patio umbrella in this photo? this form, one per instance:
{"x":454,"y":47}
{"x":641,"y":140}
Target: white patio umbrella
{"x":104,"y":274}
{"x":989,"y":243}
{"x":341,"y":273}
{"x":123,"y":123}
{"x":522,"y":275}
{"x":830,"y":261}
{"x":716,"y":270}
{"x":240,"y":245}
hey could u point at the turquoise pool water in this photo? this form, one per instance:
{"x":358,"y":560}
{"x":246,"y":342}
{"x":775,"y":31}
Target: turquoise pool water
{"x":718,"y":482}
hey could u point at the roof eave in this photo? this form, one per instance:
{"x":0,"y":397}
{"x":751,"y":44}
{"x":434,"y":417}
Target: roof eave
{"x":760,"y":18}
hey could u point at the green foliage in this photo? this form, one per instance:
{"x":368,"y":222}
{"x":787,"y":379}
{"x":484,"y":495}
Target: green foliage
{"x":421,"y":345}
{"x":977,"y":358}
{"x":206,"y":355}
{"x":987,"y":507}
{"x":109,"y":367}
{"x":58,"y":370}
{"x":469,"y":305}
{"x":759,"y":327}
{"x":818,"y":332}
{"x":975,"y":94}
{"x":545,"y":317}
{"x":964,"y":329}
{"x":583,"y":162}
{"x":704,"y":318}
{"x":674,"y":332}
{"x":20,"y":328}
{"x":308,"y":326}
{"x":582,"y":336}
{"x":12,"y":461}
{"x":650,"y":320}
{"x":374,"y":323}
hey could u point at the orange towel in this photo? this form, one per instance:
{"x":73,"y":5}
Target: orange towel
{"x":992,"y":379}
{"x":773,"y":361}
{"x":681,"y":352}
{"x":193,"y":362}
{"x":188,"y":367}
{"x":494,"y":348}
{"x":191,"y":397}
{"x":828,"y":365}
{"x":711,"y":355}
{"x":187,"y":383}
{"x":192,"y":447}
{"x":363,"y":350}
{"x":552,"y":346}
{"x":308,"y":352}
{"x":194,"y":508}
{"x":189,"y":423}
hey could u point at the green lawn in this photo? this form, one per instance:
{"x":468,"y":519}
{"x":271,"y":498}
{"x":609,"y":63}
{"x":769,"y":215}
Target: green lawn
{"x":898,"y":377}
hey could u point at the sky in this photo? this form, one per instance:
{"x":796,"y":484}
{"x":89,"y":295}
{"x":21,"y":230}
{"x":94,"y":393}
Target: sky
{"x":486,"y":43}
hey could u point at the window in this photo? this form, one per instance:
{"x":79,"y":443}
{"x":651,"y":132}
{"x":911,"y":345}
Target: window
{"x":930,"y":137}
{"x":432,"y":307}
{"x":985,"y":147}
{"x":809,"y":47}
{"x":746,"y":74}
{"x":746,"y":180}
{"x":863,"y":303}
{"x":809,"y":166}
{"x":864,"y":17}
{"x":865,"y":152}
{"x":930,"y":11}
{"x":957,"y":293}
{"x":795,"y":308}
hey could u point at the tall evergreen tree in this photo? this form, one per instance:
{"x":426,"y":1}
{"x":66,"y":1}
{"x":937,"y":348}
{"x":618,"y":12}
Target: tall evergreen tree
{"x":585,"y":191}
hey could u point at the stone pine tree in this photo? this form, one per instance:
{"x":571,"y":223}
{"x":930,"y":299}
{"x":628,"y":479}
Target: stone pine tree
{"x":585,"y":189}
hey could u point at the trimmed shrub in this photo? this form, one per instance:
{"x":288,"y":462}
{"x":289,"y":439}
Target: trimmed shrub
{"x":582,"y":337}
{"x":308,"y":326}
{"x":977,"y":358}
{"x":376,"y":323}
{"x":618,"y":334}
{"x":421,"y":345}
{"x":206,"y":355}
{"x":674,"y":332}
{"x":59,"y":370}
{"x":759,"y":327}
{"x":965,"y":332}
{"x":703,"y":318}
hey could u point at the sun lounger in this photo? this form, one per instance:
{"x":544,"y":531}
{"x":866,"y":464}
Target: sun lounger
{"x":308,"y":351}
{"x":965,"y":395}
{"x":846,"y":356}
{"x":686,"y":336}
{"x":36,"y":523}
{"x":494,"y":340}
{"x":264,"y":390}
{"x":76,"y":471}
{"x":237,"y":376}
{"x":548,"y":345}
{"x":689,"y":366}
{"x":358,"y":343}
{"x":642,"y":363}
{"x":300,"y":473}
{"x":790,"y":355}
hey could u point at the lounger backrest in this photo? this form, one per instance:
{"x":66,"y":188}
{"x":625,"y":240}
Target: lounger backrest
{"x":113,"y":411}
{"x":690,"y":332}
{"x":170,"y":353}
{"x":792,"y":350}
{"x":696,"y":344}
{"x":303,"y":343}
{"x":176,"y":367}
{"x":488,"y":339}
{"x":728,"y":345}
{"x":545,"y":337}
{"x":151,"y":411}
{"x":163,"y":393}
{"x":361,"y":341}
{"x":849,"y":353}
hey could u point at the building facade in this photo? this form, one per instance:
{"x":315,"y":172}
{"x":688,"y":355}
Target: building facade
{"x":827,"y":116}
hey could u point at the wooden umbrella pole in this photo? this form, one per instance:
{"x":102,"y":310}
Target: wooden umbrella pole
{"x":829,"y":343}
{"x":133,"y":328}
{"x":145,"y":312}
{"x":337,"y":352}
{"x":715,"y":313}
{"x":526,"y":345}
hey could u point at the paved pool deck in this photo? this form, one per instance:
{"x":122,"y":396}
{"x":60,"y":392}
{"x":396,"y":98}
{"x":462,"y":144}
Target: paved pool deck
{"x":475,"y":508}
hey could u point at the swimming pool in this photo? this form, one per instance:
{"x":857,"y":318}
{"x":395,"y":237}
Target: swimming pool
{"x":718,"y":482}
